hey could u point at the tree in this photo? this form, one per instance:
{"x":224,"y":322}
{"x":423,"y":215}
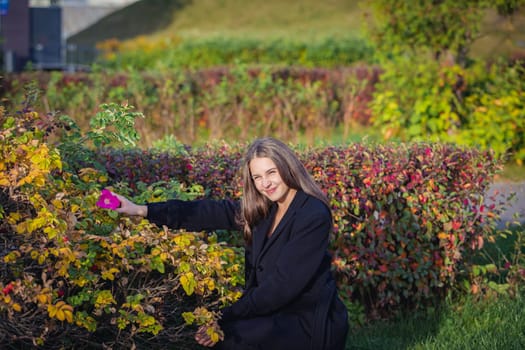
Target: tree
{"x":443,"y":28}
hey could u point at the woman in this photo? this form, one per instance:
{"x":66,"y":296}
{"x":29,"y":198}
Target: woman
{"x":290,"y":299}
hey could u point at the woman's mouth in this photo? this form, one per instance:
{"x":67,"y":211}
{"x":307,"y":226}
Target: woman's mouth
{"x":270,"y":191}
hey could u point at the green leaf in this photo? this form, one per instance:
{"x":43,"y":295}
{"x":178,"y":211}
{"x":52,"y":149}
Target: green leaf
{"x":189,"y":317}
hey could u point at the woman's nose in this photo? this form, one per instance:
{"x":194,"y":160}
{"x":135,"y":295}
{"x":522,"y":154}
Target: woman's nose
{"x":266,"y":182}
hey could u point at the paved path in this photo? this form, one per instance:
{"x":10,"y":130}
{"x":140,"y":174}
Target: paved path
{"x":500,"y":192}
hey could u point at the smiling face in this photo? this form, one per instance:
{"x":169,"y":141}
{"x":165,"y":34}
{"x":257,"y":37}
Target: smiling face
{"x":268,"y":181}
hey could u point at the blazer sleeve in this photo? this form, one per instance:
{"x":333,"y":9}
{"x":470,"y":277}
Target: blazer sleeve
{"x":298,"y":264}
{"x":197,"y":215}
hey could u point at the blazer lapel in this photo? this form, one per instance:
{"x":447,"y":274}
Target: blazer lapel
{"x":260,"y":232}
{"x":298,"y":200}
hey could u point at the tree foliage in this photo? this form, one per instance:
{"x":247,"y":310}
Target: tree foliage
{"x":443,"y":28}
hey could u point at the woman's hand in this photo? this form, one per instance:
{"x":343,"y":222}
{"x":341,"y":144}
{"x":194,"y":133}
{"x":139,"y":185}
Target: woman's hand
{"x":203,"y":338}
{"x":129,"y":208}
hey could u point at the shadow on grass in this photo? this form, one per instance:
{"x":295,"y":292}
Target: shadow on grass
{"x":140,"y":18}
{"x":497,"y":322}
{"x":402,"y":333}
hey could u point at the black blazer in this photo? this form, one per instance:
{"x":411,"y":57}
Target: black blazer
{"x":286,"y":274}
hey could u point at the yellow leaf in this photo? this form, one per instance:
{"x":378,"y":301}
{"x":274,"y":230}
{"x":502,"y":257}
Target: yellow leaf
{"x":51,"y":232}
{"x":41,"y":259}
{"x":188,"y":282}
{"x":39,"y":181}
{"x":442,"y":235}
{"x":214,"y":337}
{"x":24,"y":180}
{"x":60,"y":315}
{"x":14,"y":217}
{"x":17,"y":307}
{"x":182,"y":240}
{"x":43,"y":298}
{"x":81,"y":281}
{"x":51,"y":310}
{"x":138,"y":308}
{"x":155,"y":251}
{"x":210,"y":283}
{"x":104,"y":298}
{"x":109,"y":274}
{"x":69,"y":316}
{"x":12,"y":256}
{"x":57,"y":203}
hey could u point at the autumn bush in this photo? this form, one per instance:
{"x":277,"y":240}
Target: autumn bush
{"x":407,"y":217}
{"x":77,"y":276}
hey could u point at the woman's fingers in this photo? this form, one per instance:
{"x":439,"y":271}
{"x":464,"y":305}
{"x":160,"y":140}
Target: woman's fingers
{"x":123,"y":200}
{"x":128,"y":207}
{"x":125,"y":204}
{"x":203,"y":338}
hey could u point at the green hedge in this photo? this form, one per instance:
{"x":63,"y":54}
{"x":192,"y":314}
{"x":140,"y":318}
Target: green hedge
{"x":206,"y":53}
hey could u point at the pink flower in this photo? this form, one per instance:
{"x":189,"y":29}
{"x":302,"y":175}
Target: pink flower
{"x":108,"y":201}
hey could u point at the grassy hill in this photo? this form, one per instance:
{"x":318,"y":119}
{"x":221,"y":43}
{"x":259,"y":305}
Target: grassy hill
{"x":269,"y":19}
{"x":298,"y":19}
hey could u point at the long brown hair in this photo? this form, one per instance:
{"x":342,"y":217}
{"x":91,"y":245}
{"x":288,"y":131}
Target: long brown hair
{"x":254,"y":205}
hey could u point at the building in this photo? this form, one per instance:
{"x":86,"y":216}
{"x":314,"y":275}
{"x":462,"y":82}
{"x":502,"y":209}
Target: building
{"x":34,"y":32}
{"x":14,"y":28}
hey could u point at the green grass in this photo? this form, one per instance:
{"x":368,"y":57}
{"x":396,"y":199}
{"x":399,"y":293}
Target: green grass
{"x":512,"y":172}
{"x":304,"y":19}
{"x":463,"y":324}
